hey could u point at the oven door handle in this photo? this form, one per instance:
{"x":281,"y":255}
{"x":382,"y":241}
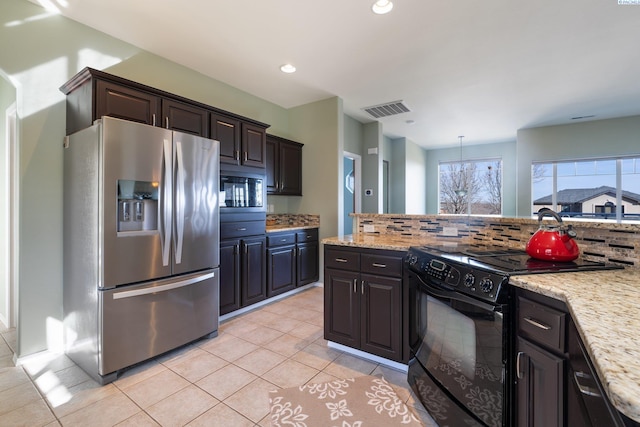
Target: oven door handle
{"x":453,"y":295}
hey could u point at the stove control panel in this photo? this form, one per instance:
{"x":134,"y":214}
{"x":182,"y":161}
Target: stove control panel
{"x":459,"y":276}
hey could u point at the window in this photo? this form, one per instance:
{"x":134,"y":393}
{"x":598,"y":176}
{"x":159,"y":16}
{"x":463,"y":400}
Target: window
{"x":471,"y":187}
{"x":600,"y":189}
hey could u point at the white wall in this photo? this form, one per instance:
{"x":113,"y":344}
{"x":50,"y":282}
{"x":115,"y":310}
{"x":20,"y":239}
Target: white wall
{"x":7,"y":98}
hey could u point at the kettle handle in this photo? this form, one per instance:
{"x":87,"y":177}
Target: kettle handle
{"x":546,"y":211}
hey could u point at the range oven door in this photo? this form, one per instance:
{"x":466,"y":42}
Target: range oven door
{"x":458,"y":355}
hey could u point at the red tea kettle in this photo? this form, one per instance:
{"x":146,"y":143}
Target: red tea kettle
{"x":553,"y":242}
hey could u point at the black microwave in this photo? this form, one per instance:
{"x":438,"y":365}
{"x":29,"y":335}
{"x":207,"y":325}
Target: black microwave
{"x":240,"y":191}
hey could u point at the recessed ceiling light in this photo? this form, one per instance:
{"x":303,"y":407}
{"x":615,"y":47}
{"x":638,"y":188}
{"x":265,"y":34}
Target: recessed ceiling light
{"x":288,"y":68}
{"x":382,"y":6}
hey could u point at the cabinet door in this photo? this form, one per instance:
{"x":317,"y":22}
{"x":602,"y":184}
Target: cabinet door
{"x":381,"y":324}
{"x":253,"y":146}
{"x":126,"y":103}
{"x":272,"y":166}
{"x":229,"y":275}
{"x":281,"y":269}
{"x":307,"y":263}
{"x":342,"y":307}
{"x":540,"y":386}
{"x":227,"y":131}
{"x":254,"y":273}
{"x":184,"y":118}
{"x":290,"y":165}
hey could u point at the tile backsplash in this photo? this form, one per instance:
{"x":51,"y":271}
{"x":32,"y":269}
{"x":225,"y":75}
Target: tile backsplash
{"x":294,"y":219}
{"x":615,"y":243}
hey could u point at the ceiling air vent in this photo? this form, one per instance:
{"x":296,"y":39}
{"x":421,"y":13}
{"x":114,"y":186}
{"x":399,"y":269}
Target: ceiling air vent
{"x":387,"y":109}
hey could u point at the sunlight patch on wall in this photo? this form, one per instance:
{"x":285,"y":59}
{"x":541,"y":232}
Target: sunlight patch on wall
{"x":37,"y":93}
{"x":94,"y":59}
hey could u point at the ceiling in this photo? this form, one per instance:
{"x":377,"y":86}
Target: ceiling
{"x":483,"y":69}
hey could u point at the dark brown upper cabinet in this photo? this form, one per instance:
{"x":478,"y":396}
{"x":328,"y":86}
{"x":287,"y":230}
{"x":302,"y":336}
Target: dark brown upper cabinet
{"x":284,"y":166}
{"x":92,"y":94}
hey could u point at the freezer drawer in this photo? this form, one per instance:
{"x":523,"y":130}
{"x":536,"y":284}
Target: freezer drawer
{"x":143,"y":321}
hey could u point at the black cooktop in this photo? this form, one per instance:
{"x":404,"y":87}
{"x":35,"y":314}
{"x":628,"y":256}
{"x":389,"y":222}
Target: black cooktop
{"x":507,"y":260}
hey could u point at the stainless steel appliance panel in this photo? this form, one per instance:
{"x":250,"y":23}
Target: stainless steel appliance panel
{"x":143,"y":321}
{"x":138,"y":153}
{"x":81,"y":248}
{"x":196,"y":217}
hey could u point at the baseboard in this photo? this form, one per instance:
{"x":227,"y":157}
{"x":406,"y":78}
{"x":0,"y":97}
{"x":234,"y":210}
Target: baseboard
{"x":269,"y":301}
{"x":368,"y":356}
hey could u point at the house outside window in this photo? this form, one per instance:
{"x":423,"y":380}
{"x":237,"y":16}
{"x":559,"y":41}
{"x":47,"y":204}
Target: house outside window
{"x":470,"y":187}
{"x":600,"y":189}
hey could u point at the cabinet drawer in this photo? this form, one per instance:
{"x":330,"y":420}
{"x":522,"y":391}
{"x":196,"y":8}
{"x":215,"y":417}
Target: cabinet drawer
{"x":307,"y":235}
{"x":541,"y":324}
{"x":230,"y":230}
{"x":380,"y":264}
{"x":343,"y":260}
{"x":281,"y":239}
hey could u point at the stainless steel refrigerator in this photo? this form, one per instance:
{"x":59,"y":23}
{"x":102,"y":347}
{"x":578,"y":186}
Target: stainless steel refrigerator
{"x":141,"y":243}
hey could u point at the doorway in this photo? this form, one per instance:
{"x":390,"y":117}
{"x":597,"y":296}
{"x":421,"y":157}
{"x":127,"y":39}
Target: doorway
{"x":351,"y":182}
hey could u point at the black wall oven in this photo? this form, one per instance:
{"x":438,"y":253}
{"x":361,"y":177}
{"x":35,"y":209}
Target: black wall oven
{"x":459,"y":333}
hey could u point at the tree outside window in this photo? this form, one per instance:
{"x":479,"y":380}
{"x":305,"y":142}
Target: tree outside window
{"x":471,"y":187}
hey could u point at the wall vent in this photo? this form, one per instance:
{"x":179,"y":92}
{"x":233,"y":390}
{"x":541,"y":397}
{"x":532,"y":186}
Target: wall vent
{"x":387,"y":109}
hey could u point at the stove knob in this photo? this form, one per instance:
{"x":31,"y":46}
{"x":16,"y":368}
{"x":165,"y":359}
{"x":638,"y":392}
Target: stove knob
{"x":469,"y":280}
{"x":486,"y":285}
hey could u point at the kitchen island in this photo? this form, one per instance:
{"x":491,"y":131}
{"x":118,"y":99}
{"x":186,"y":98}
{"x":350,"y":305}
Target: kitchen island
{"x":603,"y":305}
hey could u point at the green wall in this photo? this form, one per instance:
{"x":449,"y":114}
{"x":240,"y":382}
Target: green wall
{"x":41,"y":51}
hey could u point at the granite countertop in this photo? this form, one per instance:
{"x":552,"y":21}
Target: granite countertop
{"x":392,"y":242}
{"x":603,"y":304}
{"x":288,"y":227}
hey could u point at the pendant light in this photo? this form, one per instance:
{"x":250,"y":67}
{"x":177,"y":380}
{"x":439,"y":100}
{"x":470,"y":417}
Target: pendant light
{"x":461,"y":192}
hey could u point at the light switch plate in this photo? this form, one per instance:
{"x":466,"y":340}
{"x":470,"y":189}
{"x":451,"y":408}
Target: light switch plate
{"x":368,"y":228}
{"x":449,"y":231}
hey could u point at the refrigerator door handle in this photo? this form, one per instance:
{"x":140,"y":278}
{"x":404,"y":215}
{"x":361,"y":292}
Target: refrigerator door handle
{"x":162,"y":288}
{"x":179,"y":201}
{"x":165,"y":234}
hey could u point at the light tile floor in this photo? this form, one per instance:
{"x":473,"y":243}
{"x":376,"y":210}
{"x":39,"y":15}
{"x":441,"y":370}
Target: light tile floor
{"x":223,"y":381}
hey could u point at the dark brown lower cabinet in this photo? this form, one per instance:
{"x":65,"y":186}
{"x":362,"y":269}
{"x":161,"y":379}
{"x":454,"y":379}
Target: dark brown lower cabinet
{"x":555,"y":382}
{"x":292,"y":260}
{"x":281,"y":269}
{"x":364,"y":310}
{"x":242,"y":272}
{"x":540,"y":386}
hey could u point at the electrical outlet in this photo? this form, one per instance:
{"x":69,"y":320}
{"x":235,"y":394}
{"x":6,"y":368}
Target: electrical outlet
{"x":449,"y":231}
{"x":368,"y":228}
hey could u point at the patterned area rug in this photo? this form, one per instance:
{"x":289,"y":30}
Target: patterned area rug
{"x":356,"y":402}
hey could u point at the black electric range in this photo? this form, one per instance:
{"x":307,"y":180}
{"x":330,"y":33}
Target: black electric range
{"x":461,"y":328}
{"x":481,"y":271}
